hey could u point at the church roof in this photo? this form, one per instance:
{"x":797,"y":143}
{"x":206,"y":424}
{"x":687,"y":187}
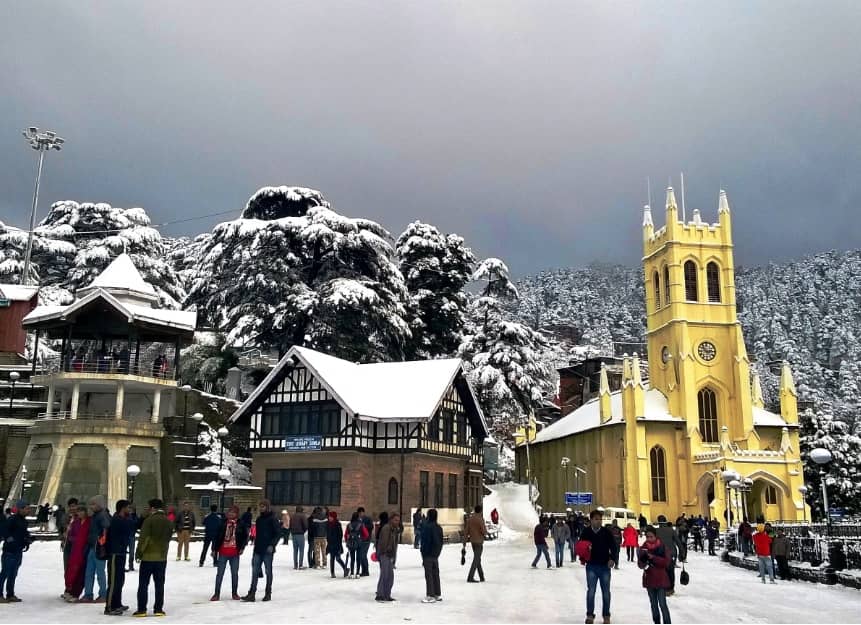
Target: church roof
{"x":121,"y":277}
{"x":588,"y":416}
{"x":389,"y":391}
{"x":764,"y":418}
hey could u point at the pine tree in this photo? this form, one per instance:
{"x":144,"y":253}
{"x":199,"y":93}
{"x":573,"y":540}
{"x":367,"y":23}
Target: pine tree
{"x":436,"y":268}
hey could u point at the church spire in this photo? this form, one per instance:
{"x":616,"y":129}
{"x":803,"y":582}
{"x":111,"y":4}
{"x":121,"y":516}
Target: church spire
{"x":756,"y":391}
{"x":648,"y":225}
{"x":723,"y":203}
{"x":672,"y":212}
{"x":604,"y":395}
{"x":724,"y":218}
{"x":788,"y":395}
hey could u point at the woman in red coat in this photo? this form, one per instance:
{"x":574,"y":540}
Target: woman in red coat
{"x":654,"y":562}
{"x":630,"y":541}
{"x":76,"y":535}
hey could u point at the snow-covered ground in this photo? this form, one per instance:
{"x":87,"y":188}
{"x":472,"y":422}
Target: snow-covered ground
{"x":514,"y":592}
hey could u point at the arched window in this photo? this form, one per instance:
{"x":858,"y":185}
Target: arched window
{"x":393,"y":492}
{"x":771,"y":495}
{"x":713,"y":282}
{"x":707,"y":404}
{"x":659,"y":473}
{"x":666,"y":286}
{"x":657,"y":282}
{"x":691,"y":281}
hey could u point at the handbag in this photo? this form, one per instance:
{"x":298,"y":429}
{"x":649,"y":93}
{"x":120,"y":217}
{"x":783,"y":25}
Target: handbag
{"x":684,"y":576}
{"x":463,"y":555}
{"x":374,"y":556}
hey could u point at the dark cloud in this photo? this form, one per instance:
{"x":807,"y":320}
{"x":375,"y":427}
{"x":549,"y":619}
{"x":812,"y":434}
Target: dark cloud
{"x":527,"y":127}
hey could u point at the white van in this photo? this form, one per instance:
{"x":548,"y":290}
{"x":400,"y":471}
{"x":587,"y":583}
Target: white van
{"x":623,"y":516}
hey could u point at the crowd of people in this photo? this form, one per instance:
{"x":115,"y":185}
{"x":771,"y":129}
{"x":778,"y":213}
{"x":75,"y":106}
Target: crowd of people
{"x":114,"y":361}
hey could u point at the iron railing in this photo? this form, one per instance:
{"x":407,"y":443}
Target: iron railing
{"x":108,"y":366}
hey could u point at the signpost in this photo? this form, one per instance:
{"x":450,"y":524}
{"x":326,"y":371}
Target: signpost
{"x":303,"y":443}
{"x":578,"y":499}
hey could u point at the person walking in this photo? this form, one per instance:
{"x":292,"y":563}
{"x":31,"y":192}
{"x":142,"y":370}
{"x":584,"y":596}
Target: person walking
{"x":42,"y":516}
{"x":100,"y":521}
{"x":475,"y":530}
{"x":602,"y":552}
{"x":135,"y":521}
{"x":267,"y":536}
{"x":117,"y":548}
{"x":16,"y":540}
{"x":318,"y":526}
{"x":212,"y":523}
{"x":431,"y":547}
{"x":561,"y":535}
{"x":712,"y":533}
{"x":642,"y":522}
{"x":355,"y":534}
{"x":652,"y":558}
{"x":247,"y":519}
{"x":71,"y":515}
{"x":673,"y":545}
{"x":227,"y":546}
{"x":616,"y":531}
{"x":494,"y":516}
{"x":780,"y":552}
{"x":418,"y":517}
{"x":334,"y":543}
{"x":76,"y":565}
{"x":365,"y":545}
{"x":630,"y":540}
{"x":298,"y":527}
{"x":696,"y":531}
{"x":539,"y":536}
{"x":151,"y":553}
{"x":285,"y":527}
{"x":185,"y":524}
{"x":386,"y":545}
{"x":762,"y":547}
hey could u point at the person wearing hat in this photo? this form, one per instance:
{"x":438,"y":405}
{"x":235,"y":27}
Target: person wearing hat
{"x":17,"y":541}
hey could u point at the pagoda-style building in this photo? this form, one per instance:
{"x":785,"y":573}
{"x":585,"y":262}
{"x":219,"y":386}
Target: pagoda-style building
{"x":109,"y":389}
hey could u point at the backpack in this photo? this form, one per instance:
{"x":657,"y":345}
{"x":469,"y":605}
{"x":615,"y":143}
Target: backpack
{"x":102,"y":546}
{"x":354,"y":536}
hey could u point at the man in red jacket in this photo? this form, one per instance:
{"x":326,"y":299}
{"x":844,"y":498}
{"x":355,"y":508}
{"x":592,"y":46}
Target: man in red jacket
{"x":762,"y":545}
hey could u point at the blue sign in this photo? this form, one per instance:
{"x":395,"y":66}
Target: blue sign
{"x":578,"y":499}
{"x":303,"y":443}
{"x":837,"y":513}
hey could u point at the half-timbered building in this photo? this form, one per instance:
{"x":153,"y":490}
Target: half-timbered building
{"x":386,"y":436}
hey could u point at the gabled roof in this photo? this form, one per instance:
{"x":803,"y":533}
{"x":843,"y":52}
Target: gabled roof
{"x":121,"y":277}
{"x":173,"y":319}
{"x":390,"y":391}
{"x":17,"y":292}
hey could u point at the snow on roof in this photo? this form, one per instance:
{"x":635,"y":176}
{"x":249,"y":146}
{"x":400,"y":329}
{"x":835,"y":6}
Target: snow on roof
{"x":588,"y":416}
{"x":122,"y":274}
{"x":398,"y":391}
{"x":763,"y":417}
{"x":17,"y":292}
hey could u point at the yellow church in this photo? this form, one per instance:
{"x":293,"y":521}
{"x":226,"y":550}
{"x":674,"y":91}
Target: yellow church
{"x":663,"y":446}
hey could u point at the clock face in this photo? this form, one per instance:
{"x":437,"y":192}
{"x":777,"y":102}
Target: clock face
{"x":665,"y":355}
{"x":707,"y":351}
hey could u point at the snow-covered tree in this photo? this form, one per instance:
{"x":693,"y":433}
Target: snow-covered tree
{"x":204,"y":363}
{"x":313,"y":278}
{"x":503,"y":357}
{"x":436,"y":268}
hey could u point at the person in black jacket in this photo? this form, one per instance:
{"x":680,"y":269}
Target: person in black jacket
{"x":212,"y":522}
{"x":431,"y":547}
{"x":268,"y":532}
{"x":603,"y":555}
{"x":318,"y":530}
{"x":16,"y":540}
{"x":118,"y":543}
{"x":365,"y":545}
{"x":334,"y":543}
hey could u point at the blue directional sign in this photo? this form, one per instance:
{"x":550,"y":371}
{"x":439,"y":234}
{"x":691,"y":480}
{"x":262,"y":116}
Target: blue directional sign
{"x":303,"y":443}
{"x":578,"y":499}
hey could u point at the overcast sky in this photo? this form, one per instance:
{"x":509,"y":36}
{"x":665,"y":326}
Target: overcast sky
{"x":527,"y":127}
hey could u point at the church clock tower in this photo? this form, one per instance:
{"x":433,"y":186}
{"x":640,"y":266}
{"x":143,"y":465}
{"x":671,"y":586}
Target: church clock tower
{"x":697,"y":357}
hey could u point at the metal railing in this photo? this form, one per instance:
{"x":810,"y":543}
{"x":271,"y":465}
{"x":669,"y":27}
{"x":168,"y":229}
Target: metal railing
{"x":67,"y":414}
{"x":108,"y":366}
{"x":812,"y":543}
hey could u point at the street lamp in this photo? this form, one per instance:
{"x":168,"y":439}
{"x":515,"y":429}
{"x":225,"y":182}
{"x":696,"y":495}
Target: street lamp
{"x":185,"y":388}
{"x":132,"y":471}
{"x":803,"y":490}
{"x":223,"y":479}
{"x":41,"y":142}
{"x":728,"y":476}
{"x":14,"y":377}
{"x":197,"y":417}
{"x":565,"y":462}
{"x":822,"y":457}
{"x":23,"y":479}
{"x":745,"y":488}
{"x":222,"y":436}
{"x":577,"y":471}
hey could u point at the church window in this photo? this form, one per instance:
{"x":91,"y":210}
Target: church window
{"x":691,"y":281}
{"x":771,"y":495}
{"x":666,"y":286}
{"x":393,"y":491}
{"x":713,"y":282}
{"x":707,"y":404}
{"x":659,"y":473}
{"x":657,"y":281}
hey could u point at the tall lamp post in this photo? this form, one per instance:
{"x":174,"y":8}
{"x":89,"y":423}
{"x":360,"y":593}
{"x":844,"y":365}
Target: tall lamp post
{"x":185,"y":388}
{"x":803,"y":490}
{"x":23,"y":480}
{"x":13,"y":377}
{"x":564,"y":463}
{"x":132,"y":471}
{"x":222,"y":437}
{"x":822,"y":457}
{"x":41,"y":142}
{"x":745,"y":488}
{"x":197,"y":418}
{"x":727,"y":477}
{"x":577,"y":471}
{"x":223,"y":479}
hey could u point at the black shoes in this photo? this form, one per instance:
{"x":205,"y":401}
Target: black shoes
{"x":267,"y":596}
{"x":249,"y":598}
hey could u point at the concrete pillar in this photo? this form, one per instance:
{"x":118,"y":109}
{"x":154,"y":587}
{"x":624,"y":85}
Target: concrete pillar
{"x":158,"y":482}
{"x":156,"y":405}
{"x":117,"y":478}
{"x":76,"y":394}
{"x":49,"y":410}
{"x":54,"y":473}
{"x":121,"y":397}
